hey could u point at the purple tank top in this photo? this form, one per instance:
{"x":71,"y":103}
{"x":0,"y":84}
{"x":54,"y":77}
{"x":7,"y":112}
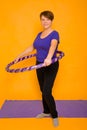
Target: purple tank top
{"x":42,"y":45}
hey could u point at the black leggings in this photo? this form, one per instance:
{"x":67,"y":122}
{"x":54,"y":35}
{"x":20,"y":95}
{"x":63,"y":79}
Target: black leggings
{"x":46,"y":77}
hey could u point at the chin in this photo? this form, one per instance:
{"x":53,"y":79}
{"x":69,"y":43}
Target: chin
{"x":46,"y":27}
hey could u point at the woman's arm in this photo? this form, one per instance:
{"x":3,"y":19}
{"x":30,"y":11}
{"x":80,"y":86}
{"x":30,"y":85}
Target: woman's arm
{"x":53,"y":46}
{"x":25,"y":52}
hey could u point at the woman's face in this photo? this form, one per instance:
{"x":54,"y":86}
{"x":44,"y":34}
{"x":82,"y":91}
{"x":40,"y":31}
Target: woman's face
{"x":46,"y":23}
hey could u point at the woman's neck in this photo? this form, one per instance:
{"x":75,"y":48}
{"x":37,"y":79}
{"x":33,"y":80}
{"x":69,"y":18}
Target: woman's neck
{"x":47,"y":30}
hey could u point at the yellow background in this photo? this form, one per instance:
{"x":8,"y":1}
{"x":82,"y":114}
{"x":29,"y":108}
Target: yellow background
{"x":19,"y":25}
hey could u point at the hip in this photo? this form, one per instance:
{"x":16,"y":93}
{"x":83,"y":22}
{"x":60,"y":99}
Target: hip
{"x":53,"y":66}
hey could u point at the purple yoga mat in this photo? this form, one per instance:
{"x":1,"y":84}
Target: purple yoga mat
{"x":30,"y":108}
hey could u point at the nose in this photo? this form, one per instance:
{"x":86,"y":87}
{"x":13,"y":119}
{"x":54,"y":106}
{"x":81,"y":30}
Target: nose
{"x":45,"y":22}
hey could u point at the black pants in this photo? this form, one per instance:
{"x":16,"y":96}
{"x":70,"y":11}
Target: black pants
{"x":46,"y":77}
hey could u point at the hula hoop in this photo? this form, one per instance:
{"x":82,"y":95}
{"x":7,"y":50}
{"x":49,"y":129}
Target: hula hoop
{"x":31,"y":67}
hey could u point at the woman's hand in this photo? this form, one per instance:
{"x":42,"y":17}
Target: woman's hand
{"x":47,"y":61}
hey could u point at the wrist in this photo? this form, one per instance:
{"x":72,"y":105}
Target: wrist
{"x":48,"y":57}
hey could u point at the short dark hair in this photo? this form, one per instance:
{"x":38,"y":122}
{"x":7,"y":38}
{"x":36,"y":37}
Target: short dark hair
{"x":48,"y":14}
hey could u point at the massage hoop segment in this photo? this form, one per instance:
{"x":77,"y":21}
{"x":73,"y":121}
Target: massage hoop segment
{"x":31,"y":67}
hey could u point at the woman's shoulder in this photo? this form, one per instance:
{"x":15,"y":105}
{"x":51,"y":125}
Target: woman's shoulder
{"x":39,"y":33}
{"x":55,"y":35}
{"x":55,"y":31}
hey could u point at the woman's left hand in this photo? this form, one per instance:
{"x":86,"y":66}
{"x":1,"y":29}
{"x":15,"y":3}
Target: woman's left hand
{"x":47,"y":61}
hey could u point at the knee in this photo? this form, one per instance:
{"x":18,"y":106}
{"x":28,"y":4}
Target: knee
{"x":46,"y":93}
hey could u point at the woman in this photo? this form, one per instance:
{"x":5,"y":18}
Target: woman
{"x":46,"y":44}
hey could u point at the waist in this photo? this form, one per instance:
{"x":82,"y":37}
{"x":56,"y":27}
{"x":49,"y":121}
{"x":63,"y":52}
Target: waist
{"x":39,"y":62}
